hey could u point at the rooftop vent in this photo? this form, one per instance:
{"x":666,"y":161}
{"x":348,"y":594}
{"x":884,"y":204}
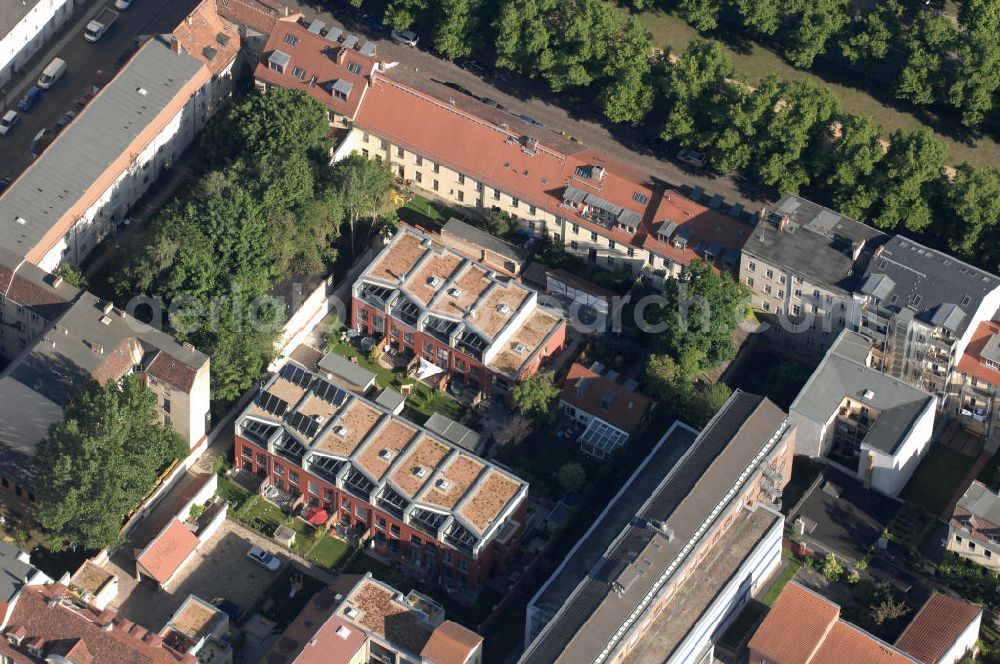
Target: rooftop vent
{"x":455,"y":292}
{"x":520,"y":348}
{"x":105,"y":320}
{"x":869,"y":394}
{"x":20,"y":220}
{"x":351,"y":612}
{"x":385,"y":454}
{"x":433,"y":282}
{"x":503,"y":308}
{"x":107,"y":307}
{"x":343,"y":632}
{"x":443,"y":484}
{"x":419,"y":471}
{"x":341,"y":431}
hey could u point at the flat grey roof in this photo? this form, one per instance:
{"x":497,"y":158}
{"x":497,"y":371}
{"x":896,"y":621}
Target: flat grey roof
{"x":818,"y":242}
{"x":842,"y":375}
{"x":338,"y":365}
{"x":479,"y":237}
{"x":13,"y":572}
{"x":454,"y":432}
{"x":640,"y":556}
{"x":88,"y":147}
{"x":940,"y":289}
{"x":982,"y":502}
{"x":389,"y":399}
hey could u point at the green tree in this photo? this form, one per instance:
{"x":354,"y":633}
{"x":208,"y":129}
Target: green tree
{"x":817,"y":22}
{"x":978,"y":77}
{"x":627,"y":95}
{"x":735,"y":119}
{"x":72,"y":275}
{"x":922,"y":79}
{"x":401,"y":14}
{"x":535,"y":395}
{"x":870,"y":42}
{"x":911,"y":167}
{"x":691,"y":84}
{"x":571,"y":476}
{"x":972,"y":211}
{"x":97,"y":464}
{"x":499,"y":223}
{"x":523,"y":34}
{"x":662,"y":375}
{"x":761,"y":16}
{"x":364,"y":188}
{"x":716,"y":395}
{"x":832,"y":569}
{"x":701,"y":311}
{"x":793,"y":137}
{"x":702,"y":14}
{"x":266,"y":127}
{"x":457,"y":24}
{"x":853,"y":161}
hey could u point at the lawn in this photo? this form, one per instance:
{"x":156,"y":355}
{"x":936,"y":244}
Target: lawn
{"x":260,"y":515}
{"x":753,"y":62}
{"x":937,"y":478}
{"x":424,"y":212}
{"x":330,"y":552}
{"x":788,"y":572}
{"x":304,"y":534}
{"x":232,"y":492}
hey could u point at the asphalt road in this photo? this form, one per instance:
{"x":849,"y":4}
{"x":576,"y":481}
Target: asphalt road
{"x":87,"y":64}
{"x":561,"y":117}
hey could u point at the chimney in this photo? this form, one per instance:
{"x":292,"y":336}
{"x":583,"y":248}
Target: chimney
{"x":341,"y":52}
{"x":783,"y":223}
{"x":597,"y":173}
{"x":107,"y":307}
{"x":175,"y":44}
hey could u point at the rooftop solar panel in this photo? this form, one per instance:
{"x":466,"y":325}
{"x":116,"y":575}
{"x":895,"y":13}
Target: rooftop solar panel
{"x":296,"y":374}
{"x":330,"y":393}
{"x":272,"y":404}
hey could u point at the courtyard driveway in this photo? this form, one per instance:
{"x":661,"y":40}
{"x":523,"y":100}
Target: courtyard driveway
{"x":219,"y":569}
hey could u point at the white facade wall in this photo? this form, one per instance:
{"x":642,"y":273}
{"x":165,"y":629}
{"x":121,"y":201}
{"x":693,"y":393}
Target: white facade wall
{"x":965,"y":645}
{"x":30,"y":34}
{"x":755,"y":570}
{"x":987,"y":309}
{"x":890,"y":473}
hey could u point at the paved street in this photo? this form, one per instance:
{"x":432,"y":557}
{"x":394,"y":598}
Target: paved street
{"x":419,"y":68}
{"x":87,"y":64}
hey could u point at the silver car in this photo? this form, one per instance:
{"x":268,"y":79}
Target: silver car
{"x":408,"y":37}
{"x":8,"y":122}
{"x":266,"y":560}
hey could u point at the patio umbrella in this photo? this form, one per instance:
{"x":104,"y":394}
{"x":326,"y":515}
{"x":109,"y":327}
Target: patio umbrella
{"x":317,"y":516}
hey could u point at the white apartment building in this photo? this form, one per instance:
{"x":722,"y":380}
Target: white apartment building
{"x":25,"y":26}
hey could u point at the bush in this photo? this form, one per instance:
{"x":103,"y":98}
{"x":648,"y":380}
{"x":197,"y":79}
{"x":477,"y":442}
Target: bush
{"x":853,"y":578}
{"x":831,"y":568}
{"x":572,"y":476}
{"x":196,"y":512}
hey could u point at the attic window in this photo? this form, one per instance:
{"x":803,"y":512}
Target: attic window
{"x":354,"y":68}
{"x":520,"y":348}
{"x":291,"y":40}
{"x":640,"y":197}
{"x":965,"y":301}
{"x":299,"y":73}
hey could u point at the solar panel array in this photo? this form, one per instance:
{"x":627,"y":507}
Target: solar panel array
{"x":325,"y":466}
{"x":430,"y":522}
{"x":258,"y":432}
{"x":359,"y":484}
{"x":291,"y":448}
{"x":296,"y":374}
{"x":329,"y":392}
{"x":460,"y":537}
{"x":304,"y":424}
{"x":272,"y":404}
{"x":392,"y":501}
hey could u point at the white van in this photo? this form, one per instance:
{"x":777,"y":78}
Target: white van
{"x":52,"y":73}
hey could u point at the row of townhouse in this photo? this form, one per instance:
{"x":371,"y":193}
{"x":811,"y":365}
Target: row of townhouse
{"x":598,"y":209}
{"x":429,"y":301}
{"x":441,"y":509}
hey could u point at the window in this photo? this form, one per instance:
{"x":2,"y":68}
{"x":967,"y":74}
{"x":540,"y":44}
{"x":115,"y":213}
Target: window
{"x":354,"y":68}
{"x":781,"y":294}
{"x":408,"y":338}
{"x":972,"y":546}
{"x":361,"y":512}
{"x":399,"y":152}
{"x":420,"y":160}
{"x":385,"y":144}
{"x":380,"y":522}
{"x":631,"y":252}
{"x":461,"y":196}
{"x":770,"y":274}
{"x":461,"y":178}
{"x":611,"y":260}
{"x":611,"y":244}
{"x":573,"y":245}
{"x":313,"y":488}
{"x":291,"y":40}
{"x":279,"y":470}
{"x":781,"y":279}
{"x":443,"y":355}
{"x":448,"y":558}
{"x":166,"y":405}
{"x":463,"y":564}
{"x":299,"y":73}
{"x":750,"y":282}
{"x":345,"y":505}
{"x":365,"y":136}
{"x":293,"y":477}
{"x":766,"y":306}
{"x":496,"y":194}
{"x":795,"y":310}
{"x":593,"y":236}
{"x":816,"y":292}
{"x":394,"y":530}
{"x":531,"y":209}
{"x":418,"y":176}
{"x":248,"y":453}
{"x":576,"y":229}
{"x":514,"y":202}
{"x":428,"y":347}
{"x":751,"y":266}
{"x":767,"y":289}
{"x":435,"y":185}
{"x":437,"y":168}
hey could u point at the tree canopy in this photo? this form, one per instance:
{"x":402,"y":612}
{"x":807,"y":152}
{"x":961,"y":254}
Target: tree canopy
{"x":535,"y":395}
{"x":97,"y":464}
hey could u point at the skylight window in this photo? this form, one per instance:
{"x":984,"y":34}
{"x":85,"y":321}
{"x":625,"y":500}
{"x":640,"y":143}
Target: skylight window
{"x":291,"y":40}
{"x":299,"y":73}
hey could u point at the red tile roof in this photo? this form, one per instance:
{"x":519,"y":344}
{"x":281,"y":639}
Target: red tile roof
{"x":66,"y":628}
{"x":937,"y":627}
{"x":972,"y":363}
{"x":172,"y":371}
{"x":450,"y":643}
{"x":804,"y":628}
{"x":627,"y":407}
{"x":319,"y":57}
{"x":168,"y":551}
{"x":260,"y":15}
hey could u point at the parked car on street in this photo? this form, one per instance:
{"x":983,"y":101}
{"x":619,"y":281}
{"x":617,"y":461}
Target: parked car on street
{"x":370,"y":21}
{"x":531,"y":120}
{"x":266,"y":560}
{"x":65,"y":120}
{"x":122,"y":5}
{"x":473,"y":66}
{"x":408,"y":37}
{"x":52,"y":73}
{"x":9,"y":120}
{"x":692,"y":158}
{"x":30,"y":99}
{"x":491,"y":102}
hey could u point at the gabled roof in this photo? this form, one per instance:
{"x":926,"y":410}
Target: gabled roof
{"x":590,"y":392}
{"x":937,"y":627}
{"x":168,"y":551}
{"x":805,"y":628}
{"x":984,"y":345}
{"x":450,"y":643}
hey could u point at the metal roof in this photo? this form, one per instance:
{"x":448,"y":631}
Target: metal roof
{"x":343,"y":87}
{"x":88,"y":147}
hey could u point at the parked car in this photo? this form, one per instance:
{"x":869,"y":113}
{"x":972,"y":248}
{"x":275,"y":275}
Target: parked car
{"x":473,"y":66}
{"x":122,"y":5}
{"x":52,"y":73}
{"x":41,"y":141}
{"x":692,"y":158}
{"x":370,"y":21}
{"x":30,"y":99}
{"x":491,"y":102}
{"x":458,"y":88}
{"x":531,"y":120}
{"x":9,"y":120}
{"x":65,"y":120}
{"x":266,"y":560}
{"x":408,"y":37}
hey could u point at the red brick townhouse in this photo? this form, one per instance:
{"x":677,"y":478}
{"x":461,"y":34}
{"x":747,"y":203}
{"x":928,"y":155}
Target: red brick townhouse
{"x":431,"y":301}
{"x":443,"y":510}
{"x":478,"y":157}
